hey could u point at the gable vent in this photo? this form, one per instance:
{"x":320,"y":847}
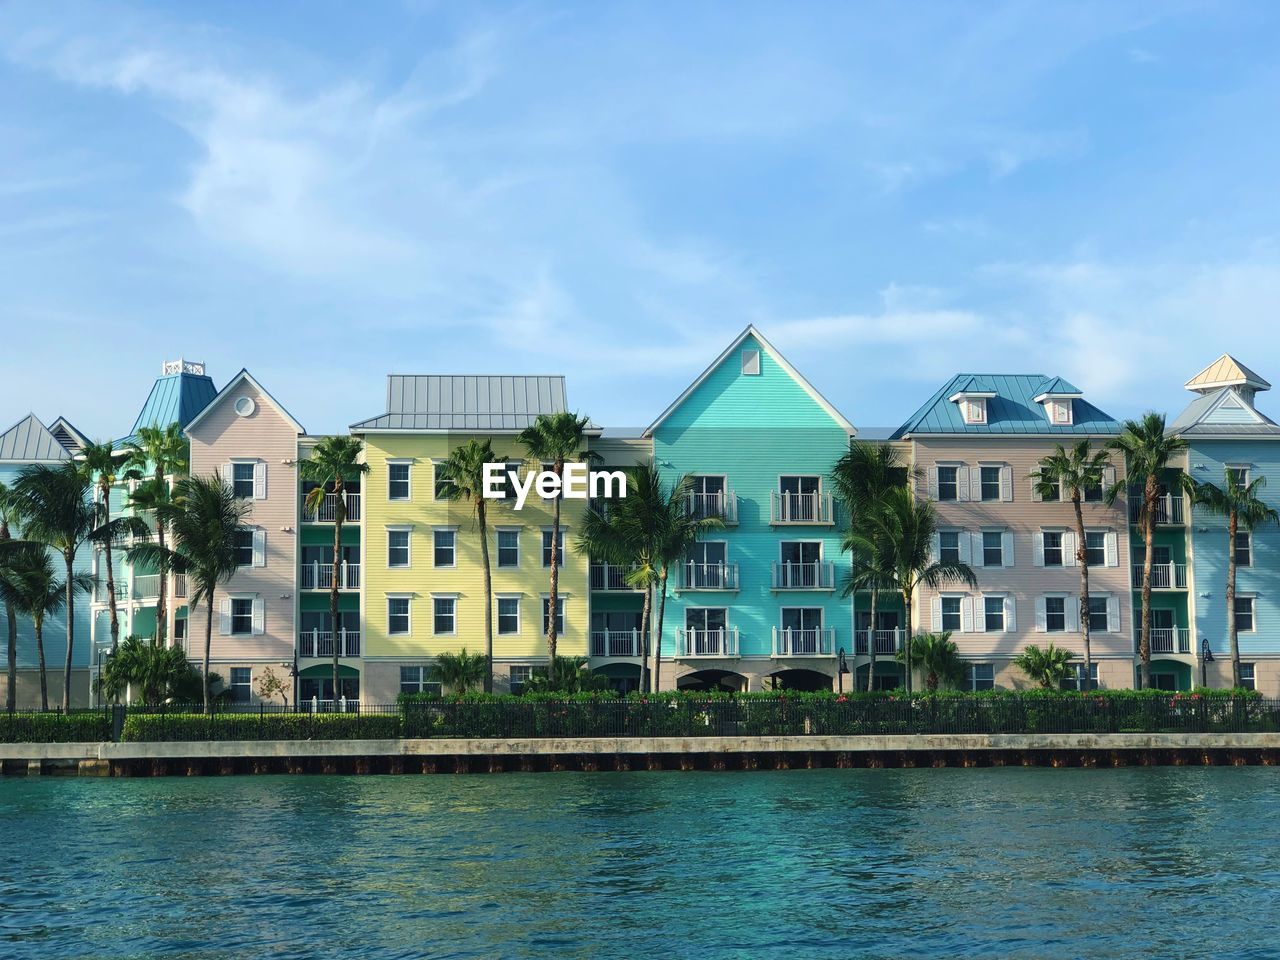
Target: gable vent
{"x":751,"y":363}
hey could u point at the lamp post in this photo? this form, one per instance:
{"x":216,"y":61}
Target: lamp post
{"x":1206,"y":658}
{"x":841,"y":670}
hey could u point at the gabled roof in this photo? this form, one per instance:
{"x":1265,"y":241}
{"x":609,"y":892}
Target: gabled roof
{"x":1057,"y":387}
{"x":29,"y":441}
{"x":1223,"y":413}
{"x":974,"y":387}
{"x":1226,"y":371}
{"x":1013,"y":410}
{"x":441,"y":403}
{"x":176,"y":397}
{"x":782,"y":361}
{"x":67,"y":435}
{"x":244,"y":376}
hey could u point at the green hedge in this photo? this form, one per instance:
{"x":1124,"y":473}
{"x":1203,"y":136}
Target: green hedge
{"x":89,"y":726}
{"x":153,"y":727}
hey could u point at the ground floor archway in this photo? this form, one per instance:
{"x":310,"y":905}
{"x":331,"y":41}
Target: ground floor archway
{"x":316,"y":683}
{"x":623,"y":677}
{"x":799,"y":679}
{"x":1170,"y":675}
{"x":889,"y":675}
{"x":708,"y":680}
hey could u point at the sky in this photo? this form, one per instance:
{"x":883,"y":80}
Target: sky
{"x":326,"y":192}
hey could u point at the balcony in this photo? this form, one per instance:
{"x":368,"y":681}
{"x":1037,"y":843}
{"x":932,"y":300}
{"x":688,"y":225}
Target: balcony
{"x":609,"y":578}
{"x":707,"y":643}
{"x":615,"y":643}
{"x":801,"y":509}
{"x":146,"y":586}
{"x":709,"y":576}
{"x":888,"y":642}
{"x":319,"y":576}
{"x":804,"y":576}
{"x":180,"y":585}
{"x":814,"y":642}
{"x":1170,"y":640}
{"x":100,"y":590}
{"x":319,"y":643}
{"x":328,"y":509}
{"x":1164,"y":576}
{"x":1168,"y":508}
{"x":723,"y":505}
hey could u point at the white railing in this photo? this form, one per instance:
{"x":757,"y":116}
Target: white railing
{"x":801,"y":508}
{"x":707,"y":643}
{"x":723,"y":505}
{"x":319,"y":576}
{"x":1164,"y":576}
{"x":179,"y":584}
{"x":709,"y":576}
{"x":1168,"y":507}
{"x":615,"y":643}
{"x":316,"y":705}
{"x":328,"y":509}
{"x":810,"y":642}
{"x":888,"y":642}
{"x":1170,"y":640}
{"x":804,"y":576}
{"x":607,"y":577}
{"x":100,"y":590}
{"x":146,"y":586}
{"x":319,"y":643}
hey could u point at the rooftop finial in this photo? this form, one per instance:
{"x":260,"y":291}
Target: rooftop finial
{"x":171,"y":367}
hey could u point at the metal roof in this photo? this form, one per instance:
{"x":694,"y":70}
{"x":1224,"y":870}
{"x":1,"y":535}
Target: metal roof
{"x":1226,"y":371}
{"x":174,"y":398}
{"x":1011,"y":411}
{"x":30,"y":441}
{"x":1197,"y":419}
{"x":440,"y":402}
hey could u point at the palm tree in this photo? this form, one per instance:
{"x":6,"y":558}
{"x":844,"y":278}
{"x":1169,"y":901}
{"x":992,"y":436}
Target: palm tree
{"x":907,"y":527}
{"x":333,"y":462}
{"x":1073,"y":473}
{"x":1147,"y":451}
{"x":554,"y":438}
{"x":101,"y":461}
{"x":1240,"y":504}
{"x":8,"y":519}
{"x":462,"y":476}
{"x":165,"y":452}
{"x":871,"y":570}
{"x":158,"y":673}
{"x":938,"y":657}
{"x":204,"y":518}
{"x":1046,"y":666}
{"x":462,"y":671}
{"x":567,"y":675}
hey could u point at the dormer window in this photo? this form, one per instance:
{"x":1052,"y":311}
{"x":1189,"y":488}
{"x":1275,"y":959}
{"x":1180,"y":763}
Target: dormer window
{"x":1055,"y":396}
{"x":974,"y":409}
{"x":971,"y":400}
{"x":1060,"y":412}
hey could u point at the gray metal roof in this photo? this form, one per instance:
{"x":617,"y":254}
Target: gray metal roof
{"x":467,"y":402}
{"x":1197,"y":421}
{"x":30,"y":441}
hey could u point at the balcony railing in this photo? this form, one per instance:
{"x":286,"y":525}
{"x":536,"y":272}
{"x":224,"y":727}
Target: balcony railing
{"x":615,"y":643}
{"x":804,"y":576}
{"x":888,"y":642}
{"x":328,"y":509}
{"x":146,"y":586}
{"x":608,"y":578}
{"x":100,"y":590}
{"x":319,"y":643}
{"x":180,"y":585}
{"x":723,"y":505}
{"x":1170,"y":640}
{"x":1168,"y":508}
{"x":710,"y":576}
{"x":319,"y":576}
{"x":813,"y":509}
{"x":707,"y":643}
{"x":813,"y":642}
{"x":1164,"y":576}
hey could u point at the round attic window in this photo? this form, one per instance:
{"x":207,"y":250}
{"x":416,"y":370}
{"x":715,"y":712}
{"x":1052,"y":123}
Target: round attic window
{"x":245,"y":406}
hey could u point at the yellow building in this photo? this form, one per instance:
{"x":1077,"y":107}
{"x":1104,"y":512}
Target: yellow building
{"x":423,"y":588}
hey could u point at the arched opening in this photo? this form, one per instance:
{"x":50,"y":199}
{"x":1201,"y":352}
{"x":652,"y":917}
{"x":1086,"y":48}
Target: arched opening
{"x":315,"y":683}
{"x":623,"y":677}
{"x":805,"y":680}
{"x":1170,"y":675}
{"x":889,"y":675}
{"x":707,"y":680}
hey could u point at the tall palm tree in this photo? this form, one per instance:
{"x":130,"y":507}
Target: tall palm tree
{"x":204,"y":518}
{"x":462,"y":476}
{"x":871,"y":570}
{"x":333,"y":462}
{"x":165,"y":452}
{"x":1241,"y":505}
{"x":9,"y":519}
{"x":937,"y":656}
{"x":1074,"y":472}
{"x":554,"y":438}
{"x":101,"y":463}
{"x":1147,"y":450}
{"x":908,"y":526}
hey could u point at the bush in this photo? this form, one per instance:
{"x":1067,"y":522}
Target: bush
{"x":88,"y":726}
{"x":153,"y":727}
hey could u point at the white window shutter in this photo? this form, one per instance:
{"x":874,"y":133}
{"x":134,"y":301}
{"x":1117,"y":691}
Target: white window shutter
{"x":259,"y":616}
{"x":1006,"y":547}
{"x":1006,"y":483}
{"x":1042,"y":618}
{"x":1069,"y":549}
{"x":979,"y":555}
{"x":1010,"y":614}
{"x":259,"y":547}
{"x":980,"y":614}
{"x":933,"y":483}
{"x":935,"y":613}
{"x":935,"y":548}
{"x":1035,"y":494}
{"x":1112,"y":551}
{"x":224,"y":616}
{"x":1113,"y":614}
{"x":966,"y":614}
{"x":975,"y":482}
{"x":1038,"y":539}
{"x":1108,"y":476}
{"x":1073,"y":614}
{"x":963,"y":541}
{"x":260,"y":480}
{"x":226,"y":474}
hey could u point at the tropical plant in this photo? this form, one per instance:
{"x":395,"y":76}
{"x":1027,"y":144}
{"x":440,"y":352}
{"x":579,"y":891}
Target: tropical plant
{"x":1148,"y":451}
{"x":1047,"y":666}
{"x":461,"y":671}
{"x":152,"y":496}
{"x":272,"y":685}
{"x":552,"y":439}
{"x":9,"y":519}
{"x":165,"y":452}
{"x":567,"y":675}
{"x":158,"y":674}
{"x":101,"y":463}
{"x":333,"y":462}
{"x":204,"y":518}
{"x":1243,"y":508}
{"x":1072,"y":473}
{"x":462,"y":478}
{"x":937,"y":656}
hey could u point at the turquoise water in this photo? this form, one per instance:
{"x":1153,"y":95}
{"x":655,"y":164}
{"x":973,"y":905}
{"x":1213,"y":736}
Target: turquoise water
{"x":1013,"y":862}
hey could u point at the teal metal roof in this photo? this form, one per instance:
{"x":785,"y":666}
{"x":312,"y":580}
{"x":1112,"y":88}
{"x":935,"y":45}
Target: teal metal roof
{"x":1056,"y":385}
{"x":1011,"y":411}
{"x":174,"y":398}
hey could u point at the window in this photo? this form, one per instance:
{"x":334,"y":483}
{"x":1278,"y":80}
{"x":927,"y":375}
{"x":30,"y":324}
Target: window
{"x":990,"y":483}
{"x":949,"y":546}
{"x":398,"y":615}
{"x":244,"y":547}
{"x":520,"y":675}
{"x":1071,"y":680}
{"x":508,"y":548}
{"x":1239,"y":475}
{"x":951,"y":614}
{"x":1095,"y":547}
{"x":1247,"y":676}
{"x":1244,"y":549}
{"x":1052,"y":494}
{"x":1092,"y":492}
{"x":992,"y":548}
{"x":179,"y":629}
{"x":241,"y":689}
{"x":508,"y":616}
{"x":242,"y":480}
{"x":397,"y":481}
{"x":1244,"y":614}
{"x":241,"y":616}
{"x":1055,"y":614}
{"x":1099,"y":619}
{"x":546,"y":607}
{"x":1052,"y":548}
{"x":445,"y":551}
{"x":444,"y":612}
{"x":546,"y":549}
{"x":751,"y":363}
{"x":397,"y":548}
{"x":993,"y":614}
{"x":948,"y":488}
{"x":441,"y":488}
{"x":980,"y":676}
{"x":416,"y":680}
{"x":1060,"y":412}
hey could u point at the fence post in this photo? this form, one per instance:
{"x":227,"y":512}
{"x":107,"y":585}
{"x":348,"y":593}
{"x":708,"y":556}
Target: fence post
{"x":117,"y":721}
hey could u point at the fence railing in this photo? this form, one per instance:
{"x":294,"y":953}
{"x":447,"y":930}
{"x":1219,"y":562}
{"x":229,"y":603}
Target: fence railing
{"x":615,"y":643}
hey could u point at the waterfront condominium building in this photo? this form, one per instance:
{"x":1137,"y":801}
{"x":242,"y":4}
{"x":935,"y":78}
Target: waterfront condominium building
{"x":976,"y":446}
{"x":421,"y":561}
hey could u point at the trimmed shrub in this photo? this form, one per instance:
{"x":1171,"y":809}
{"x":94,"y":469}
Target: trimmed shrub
{"x":153,"y":727}
{"x":88,"y":726}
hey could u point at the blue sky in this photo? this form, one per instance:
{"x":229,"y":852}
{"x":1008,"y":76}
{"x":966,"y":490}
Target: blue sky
{"x":891,"y":192}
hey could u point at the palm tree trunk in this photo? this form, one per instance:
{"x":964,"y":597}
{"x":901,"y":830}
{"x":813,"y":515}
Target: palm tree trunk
{"x":906,"y":644}
{"x":871,"y":642}
{"x":162,"y":605}
{"x":1082,"y":558}
{"x":657,"y":643}
{"x":483,"y":521}
{"x":71,"y":631}
{"x":555,"y":575}
{"x":1233,"y":525}
{"x":339,"y":515}
{"x":44,"y":675}
{"x":11,"y":693}
{"x":645,"y":611}
{"x":1151,"y":496}
{"x":111,"y":574}
{"x":208,"y":643}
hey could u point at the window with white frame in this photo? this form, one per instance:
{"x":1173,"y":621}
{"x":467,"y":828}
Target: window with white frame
{"x":1244,"y":549}
{"x":948,"y":483}
{"x":244,"y":547}
{"x":1099,"y":617}
{"x":444,"y":615}
{"x":1071,"y":680}
{"x":949,"y":546}
{"x":989,"y":477}
{"x":751,"y":363}
{"x":508,"y":616}
{"x":546,"y":608}
{"x":951,"y":614}
{"x":1239,"y":475}
{"x":974,"y":409}
{"x":1055,"y":614}
{"x":417,"y":679}
{"x":442,"y":488}
{"x":1051,"y":493}
{"x":1060,"y":412}
{"x":1095,"y":547}
{"x":1247,"y":676}
{"x":993,"y":614}
{"x":444,"y":548}
{"x":1245,"y":622}
{"x":242,"y":477}
{"x":241,"y":616}
{"x":398,"y":547}
{"x":241,"y":686}
{"x":508,"y":548}
{"x":398,"y":480}
{"x":1052,"y":548}
{"x":546,"y":548}
{"x":398,"y":615}
{"x":993,"y":548}
{"x":520,"y":675}
{"x":980,"y":676}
